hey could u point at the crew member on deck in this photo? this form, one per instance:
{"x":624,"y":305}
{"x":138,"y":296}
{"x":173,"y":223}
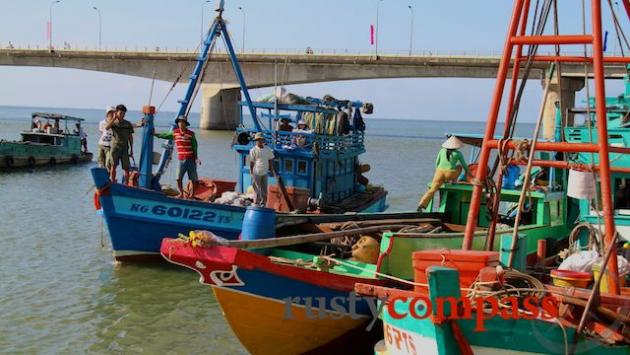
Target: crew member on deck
{"x":449,"y":164}
{"x":260,"y":163}
{"x":186,"y":145}
{"x":122,"y":143}
{"x":105,"y":140}
{"x":285,"y":125}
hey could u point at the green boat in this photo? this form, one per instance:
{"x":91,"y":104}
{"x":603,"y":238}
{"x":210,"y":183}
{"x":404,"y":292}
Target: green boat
{"x":618,"y":114}
{"x":52,"y":139}
{"x":415,"y":323}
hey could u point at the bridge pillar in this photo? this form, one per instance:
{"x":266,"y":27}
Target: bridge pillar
{"x":566,"y":91}
{"x":219,"y":107}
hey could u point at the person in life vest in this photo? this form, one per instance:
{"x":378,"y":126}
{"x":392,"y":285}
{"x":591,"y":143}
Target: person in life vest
{"x":449,"y":164}
{"x":186,"y":145}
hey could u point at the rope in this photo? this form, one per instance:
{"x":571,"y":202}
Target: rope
{"x":528,"y":170}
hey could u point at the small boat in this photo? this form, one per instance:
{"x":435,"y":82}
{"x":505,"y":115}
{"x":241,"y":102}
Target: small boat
{"x":317,"y":171}
{"x":48,"y":142}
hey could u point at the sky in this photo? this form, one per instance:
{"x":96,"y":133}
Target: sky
{"x":444,"y":27}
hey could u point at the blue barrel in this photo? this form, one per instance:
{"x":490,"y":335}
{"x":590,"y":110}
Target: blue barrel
{"x":258,"y":223}
{"x":511,"y":175}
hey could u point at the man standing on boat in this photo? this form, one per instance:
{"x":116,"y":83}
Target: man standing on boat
{"x":186,"y":145}
{"x":122,"y":142}
{"x":448,"y":166}
{"x":260,"y":163}
{"x":105,"y":141}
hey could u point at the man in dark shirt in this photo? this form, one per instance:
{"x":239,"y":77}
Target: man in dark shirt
{"x":122,"y":142}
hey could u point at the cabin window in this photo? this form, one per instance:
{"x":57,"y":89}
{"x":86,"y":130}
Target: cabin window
{"x":301,"y":167}
{"x":288,"y":165}
{"x":622,"y":194}
{"x":276,"y":165}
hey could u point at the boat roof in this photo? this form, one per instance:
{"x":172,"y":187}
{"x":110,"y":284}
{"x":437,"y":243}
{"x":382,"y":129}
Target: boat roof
{"x":56,"y":116}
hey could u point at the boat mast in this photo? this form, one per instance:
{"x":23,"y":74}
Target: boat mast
{"x":520,"y":10}
{"x":217,"y":29}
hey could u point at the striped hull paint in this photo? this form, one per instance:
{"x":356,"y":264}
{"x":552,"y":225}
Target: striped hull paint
{"x":275,"y":308}
{"x":137,"y":219}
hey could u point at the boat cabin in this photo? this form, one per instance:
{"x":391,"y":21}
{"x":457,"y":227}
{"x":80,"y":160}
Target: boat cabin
{"x":618,"y":115}
{"x":322,"y":158}
{"x":46,"y":128}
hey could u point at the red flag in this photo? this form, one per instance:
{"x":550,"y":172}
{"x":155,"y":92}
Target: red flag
{"x":372,"y":35}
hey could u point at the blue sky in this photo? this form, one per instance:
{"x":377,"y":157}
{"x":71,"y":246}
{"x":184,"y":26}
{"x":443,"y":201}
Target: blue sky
{"x":439,"y":26}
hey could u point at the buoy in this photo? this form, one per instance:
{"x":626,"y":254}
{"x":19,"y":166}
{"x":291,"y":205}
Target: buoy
{"x":366,"y":250}
{"x":74,"y":159}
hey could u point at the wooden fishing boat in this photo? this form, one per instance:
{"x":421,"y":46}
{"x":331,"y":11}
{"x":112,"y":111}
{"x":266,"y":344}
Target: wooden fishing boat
{"x":285,"y":296}
{"x":46,"y":143}
{"x":316,"y":171}
{"x":435,"y":330}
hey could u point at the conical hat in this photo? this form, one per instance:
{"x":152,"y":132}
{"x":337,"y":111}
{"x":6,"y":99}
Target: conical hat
{"x":452,"y":143}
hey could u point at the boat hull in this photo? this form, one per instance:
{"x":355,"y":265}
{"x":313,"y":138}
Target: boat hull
{"x":137,"y":219}
{"x":276,"y":308}
{"x":42,"y":161}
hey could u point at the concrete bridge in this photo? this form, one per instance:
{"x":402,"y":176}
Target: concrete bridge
{"x":220,"y":92}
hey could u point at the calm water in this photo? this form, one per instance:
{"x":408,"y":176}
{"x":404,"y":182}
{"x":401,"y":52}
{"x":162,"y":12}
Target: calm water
{"x":60,"y":290}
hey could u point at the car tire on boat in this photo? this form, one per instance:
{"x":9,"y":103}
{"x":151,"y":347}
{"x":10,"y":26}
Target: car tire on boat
{"x":74,"y":159}
{"x":30,"y":162}
{"x":8,"y":161}
{"x":52,"y":161}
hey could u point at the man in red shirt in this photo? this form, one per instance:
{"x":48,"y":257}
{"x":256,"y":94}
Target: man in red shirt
{"x":186,"y":145}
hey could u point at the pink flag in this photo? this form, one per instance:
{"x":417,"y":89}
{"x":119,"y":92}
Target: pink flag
{"x":372,"y":35}
{"x":48,"y":30}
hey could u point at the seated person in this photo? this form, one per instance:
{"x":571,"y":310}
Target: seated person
{"x":300,"y":140}
{"x":284,"y":125}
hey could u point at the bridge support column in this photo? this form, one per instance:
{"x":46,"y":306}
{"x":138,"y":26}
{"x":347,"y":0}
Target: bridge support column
{"x":219,"y":107}
{"x":566,"y":91}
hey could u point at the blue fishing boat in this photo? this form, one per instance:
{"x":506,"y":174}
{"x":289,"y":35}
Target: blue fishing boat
{"x":317,"y":170}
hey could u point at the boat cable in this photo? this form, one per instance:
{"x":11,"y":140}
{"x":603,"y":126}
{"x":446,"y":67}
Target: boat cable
{"x":528,"y":170}
{"x":184,"y":69}
{"x":537,"y":28}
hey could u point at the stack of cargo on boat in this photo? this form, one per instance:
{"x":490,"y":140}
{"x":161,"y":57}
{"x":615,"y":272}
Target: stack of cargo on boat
{"x":318,"y":170}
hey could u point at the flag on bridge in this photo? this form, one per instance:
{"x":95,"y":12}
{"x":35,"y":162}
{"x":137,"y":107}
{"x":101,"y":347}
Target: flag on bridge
{"x":372,"y":35}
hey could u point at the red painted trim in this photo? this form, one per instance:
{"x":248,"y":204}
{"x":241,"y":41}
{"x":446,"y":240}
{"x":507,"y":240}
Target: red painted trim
{"x":222,"y":258}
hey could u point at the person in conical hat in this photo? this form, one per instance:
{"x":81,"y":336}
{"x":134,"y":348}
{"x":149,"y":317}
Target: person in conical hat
{"x":448,"y":166}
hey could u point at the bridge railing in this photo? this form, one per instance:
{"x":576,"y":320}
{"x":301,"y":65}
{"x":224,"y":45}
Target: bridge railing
{"x":285,"y":51}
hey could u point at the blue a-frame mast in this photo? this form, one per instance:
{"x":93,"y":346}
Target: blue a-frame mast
{"x":218,"y":28}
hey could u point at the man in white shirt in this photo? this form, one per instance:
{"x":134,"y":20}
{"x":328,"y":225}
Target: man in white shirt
{"x":105,"y":141}
{"x":260,"y":163}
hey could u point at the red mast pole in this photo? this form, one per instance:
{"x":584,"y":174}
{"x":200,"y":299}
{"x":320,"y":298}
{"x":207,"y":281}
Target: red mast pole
{"x":602,"y":135}
{"x":477,"y":191}
{"x":516,"y":68}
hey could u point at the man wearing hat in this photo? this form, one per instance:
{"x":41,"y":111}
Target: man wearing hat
{"x":105,"y":140}
{"x":285,"y":125}
{"x":186,"y":145}
{"x":260,"y":163}
{"x":449,"y":164}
